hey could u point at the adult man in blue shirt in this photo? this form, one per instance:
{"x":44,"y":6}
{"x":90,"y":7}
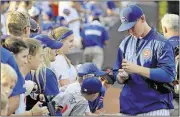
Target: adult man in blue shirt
{"x":94,"y":37}
{"x":147,"y":58}
{"x":170,"y":27}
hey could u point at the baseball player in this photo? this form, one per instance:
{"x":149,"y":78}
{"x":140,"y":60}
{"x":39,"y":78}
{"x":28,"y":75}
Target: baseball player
{"x":94,"y":38}
{"x":74,"y":99}
{"x":106,"y":78}
{"x":146,"y":58}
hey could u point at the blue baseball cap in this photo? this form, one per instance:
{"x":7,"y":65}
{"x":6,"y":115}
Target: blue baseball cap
{"x":47,"y":42}
{"x":89,"y":68}
{"x":91,"y":85}
{"x":129,"y":16}
{"x":97,"y":13}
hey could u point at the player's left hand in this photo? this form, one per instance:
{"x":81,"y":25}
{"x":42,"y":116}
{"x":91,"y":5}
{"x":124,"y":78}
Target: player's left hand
{"x":129,"y":67}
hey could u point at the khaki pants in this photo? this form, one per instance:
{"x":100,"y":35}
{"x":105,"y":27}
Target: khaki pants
{"x":95,"y":55}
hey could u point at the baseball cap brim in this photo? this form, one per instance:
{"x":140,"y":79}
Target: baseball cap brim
{"x":56,"y":45}
{"x":100,"y":73}
{"x":126,"y":26}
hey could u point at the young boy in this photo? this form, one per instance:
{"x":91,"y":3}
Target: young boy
{"x":107,"y":79}
{"x":74,"y":99}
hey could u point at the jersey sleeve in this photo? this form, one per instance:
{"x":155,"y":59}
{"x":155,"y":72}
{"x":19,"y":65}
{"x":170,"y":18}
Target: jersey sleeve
{"x":165,"y":71}
{"x":51,"y":83}
{"x":118,"y":62}
{"x":19,"y":87}
{"x":120,"y":56}
{"x":101,"y":100}
{"x":166,"y":59}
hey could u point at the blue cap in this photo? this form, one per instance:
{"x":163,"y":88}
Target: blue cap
{"x":60,"y":18}
{"x":129,"y":16}
{"x":47,"y":42}
{"x":89,"y":68}
{"x":91,"y":85}
{"x":97,"y":13}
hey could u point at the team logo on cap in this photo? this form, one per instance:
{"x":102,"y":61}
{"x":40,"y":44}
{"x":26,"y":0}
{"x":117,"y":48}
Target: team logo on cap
{"x":147,"y":53}
{"x":123,"y":19}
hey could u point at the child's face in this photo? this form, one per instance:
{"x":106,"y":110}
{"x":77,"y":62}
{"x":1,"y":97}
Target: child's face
{"x":7,"y":86}
{"x":93,"y":97}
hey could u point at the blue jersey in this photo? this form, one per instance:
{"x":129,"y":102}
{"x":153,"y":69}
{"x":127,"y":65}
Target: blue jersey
{"x":51,"y":86}
{"x":174,"y":41}
{"x":7,"y":58}
{"x":98,"y":102}
{"x":153,"y":51}
{"x":94,"y":34}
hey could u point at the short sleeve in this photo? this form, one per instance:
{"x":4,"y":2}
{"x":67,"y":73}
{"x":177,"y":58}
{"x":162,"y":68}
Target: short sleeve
{"x":51,"y":83}
{"x":19,"y":87}
{"x":101,"y":99}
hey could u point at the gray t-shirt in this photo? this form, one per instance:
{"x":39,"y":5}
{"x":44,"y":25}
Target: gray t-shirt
{"x":72,"y":101}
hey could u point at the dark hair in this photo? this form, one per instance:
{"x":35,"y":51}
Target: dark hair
{"x":96,"y":18}
{"x":14,"y":44}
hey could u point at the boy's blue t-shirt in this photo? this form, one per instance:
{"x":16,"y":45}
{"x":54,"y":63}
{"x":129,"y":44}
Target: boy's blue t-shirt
{"x":98,"y":102}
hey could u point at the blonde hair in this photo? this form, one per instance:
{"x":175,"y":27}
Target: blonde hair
{"x":56,"y":34}
{"x":171,"y":21}
{"x":7,"y":72}
{"x":34,"y":45}
{"x":41,"y":71}
{"x":16,"y":22}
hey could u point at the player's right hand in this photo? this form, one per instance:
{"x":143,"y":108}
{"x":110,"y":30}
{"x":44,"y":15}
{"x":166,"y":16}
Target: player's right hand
{"x":37,"y":110}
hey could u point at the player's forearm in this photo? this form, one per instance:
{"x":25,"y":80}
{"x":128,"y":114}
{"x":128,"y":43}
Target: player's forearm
{"x":143,"y":71}
{"x":156,"y":74}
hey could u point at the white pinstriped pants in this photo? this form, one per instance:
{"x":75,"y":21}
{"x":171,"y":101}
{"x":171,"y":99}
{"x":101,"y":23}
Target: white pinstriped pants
{"x":161,"y":112}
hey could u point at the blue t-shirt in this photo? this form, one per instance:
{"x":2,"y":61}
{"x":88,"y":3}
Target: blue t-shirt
{"x":94,"y":34}
{"x":153,"y":51}
{"x":98,"y":102}
{"x":7,"y":58}
{"x":51,"y":86}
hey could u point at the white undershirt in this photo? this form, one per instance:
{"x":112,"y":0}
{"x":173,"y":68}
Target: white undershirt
{"x":62,"y":69}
